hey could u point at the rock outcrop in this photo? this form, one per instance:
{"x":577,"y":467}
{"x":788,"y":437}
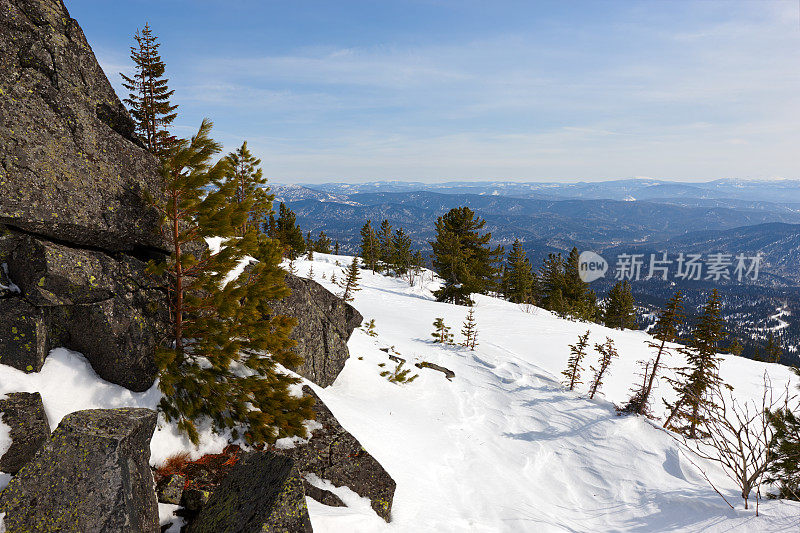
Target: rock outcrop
{"x":76,"y":228}
{"x":324,"y":325}
{"x":91,"y":475}
{"x":70,"y":167}
{"x":262,"y":493}
{"x":23,"y":412}
{"x":335,"y":455}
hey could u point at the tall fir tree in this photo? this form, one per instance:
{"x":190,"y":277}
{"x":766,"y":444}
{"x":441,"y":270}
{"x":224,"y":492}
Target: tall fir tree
{"x":323,"y":243}
{"x":695,"y":383}
{"x":517,"y":279}
{"x":370,"y":246}
{"x":462,"y":256}
{"x":577,"y":352}
{"x":401,"y":252}
{"x":620,"y":310}
{"x":579,"y":299}
{"x":772,"y":350}
{"x":245,"y":170}
{"x":784,"y":470}
{"x":385,"y":245}
{"x":149,"y":97}
{"x":665,"y":330}
{"x":218,"y":326}
{"x":552,"y":284}
{"x":289,"y":233}
{"x":470,"y":330}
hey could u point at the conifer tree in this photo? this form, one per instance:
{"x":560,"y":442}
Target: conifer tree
{"x":607,"y":352}
{"x":696,"y":383}
{"x":350,"y":282}
{"x":309,"y":243}
{"x":784,"y":470}
{"x":517,"y":279}
{"x":322,"y":244}
{"x":664,"y":331}
{"x":552,"y":284}
{"x":577,"y":352}
{"x":462,"y":256}
{"x":772,"y":350}
{"x":149,"y":96}
{"x":244,"y":169}
{"x":311,"y":272}
{"x":441,"y":332}
{"x":470,"y":330}
{"x":735,"y":347}
{"x":620,"y":311}
{"x":370,"y":246}
{"x":288,"y":232}
{"x":579,"y":299}
{"x":217,"y":324}
{"x":385,"y":246}
{"x":401,"y":252}
{"x":336,"y":248}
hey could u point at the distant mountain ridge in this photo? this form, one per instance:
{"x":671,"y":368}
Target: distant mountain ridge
{"x":780,"y":191}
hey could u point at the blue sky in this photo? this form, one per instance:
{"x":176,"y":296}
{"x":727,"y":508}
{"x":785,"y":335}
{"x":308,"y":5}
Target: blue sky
{"x":440,"y":90}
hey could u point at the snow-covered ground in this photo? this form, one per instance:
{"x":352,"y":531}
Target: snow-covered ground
{"x":501,"y":447}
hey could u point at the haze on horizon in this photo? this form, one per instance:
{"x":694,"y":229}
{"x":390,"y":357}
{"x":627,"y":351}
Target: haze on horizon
{"x":447,"y":90}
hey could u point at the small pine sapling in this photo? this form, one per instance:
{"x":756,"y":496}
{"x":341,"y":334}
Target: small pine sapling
{"x":470,"y":330}
{"x":577,"y":353}
{"x":607,"y":352}
{"x":350,"y":283}
{"x":369,"y":328}
{"x":399,"y":374}
{"x":311,"y":272}
{"x":441,"y":333}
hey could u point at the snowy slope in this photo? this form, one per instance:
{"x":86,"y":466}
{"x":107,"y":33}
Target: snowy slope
{"x":503,"y":447}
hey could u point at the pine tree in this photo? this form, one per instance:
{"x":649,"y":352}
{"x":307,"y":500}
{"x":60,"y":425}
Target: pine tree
{"x":216,"y":324}
{"x":772,"y":351}
{"x":401,"y":252}
{"x":470,"y":330}
{"x":350,"y":282}
{"x":552,"y":284}
{"x":370,"y":247}
{"x":311,"y":272}
{"x":784,"y":470}
{"x":620,"y":311}
{"x":441,"y":332}
{"x":735,"y":347}
{"x":664,"y":331}
{"x":577,"y":353}
{"x":696,"y":382}
{"x":244,"y":169}
{"x":462,"y":256}
{"x":385,"y":245}
{"x":336,"y":248}
{"x":607,"y":352}
{"x":322,"y":244}
{"x":580,"y":301}
{"x":517,"y":278}
{"x":288,"y":232}
{"x":149,"y":97}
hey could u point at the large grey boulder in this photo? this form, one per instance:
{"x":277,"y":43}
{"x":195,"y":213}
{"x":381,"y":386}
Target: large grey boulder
{"x":92,"y":475}
{"x":104,"y":305}
{"x":70,"y":167}
{"x":333,"y":454}
{"x":23,"y":412}
{"x":262,"y":493}
{"x":324,"y":325}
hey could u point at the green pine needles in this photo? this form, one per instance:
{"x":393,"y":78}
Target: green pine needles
{"x":577,"y":352}
{"x":221,"y":363}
